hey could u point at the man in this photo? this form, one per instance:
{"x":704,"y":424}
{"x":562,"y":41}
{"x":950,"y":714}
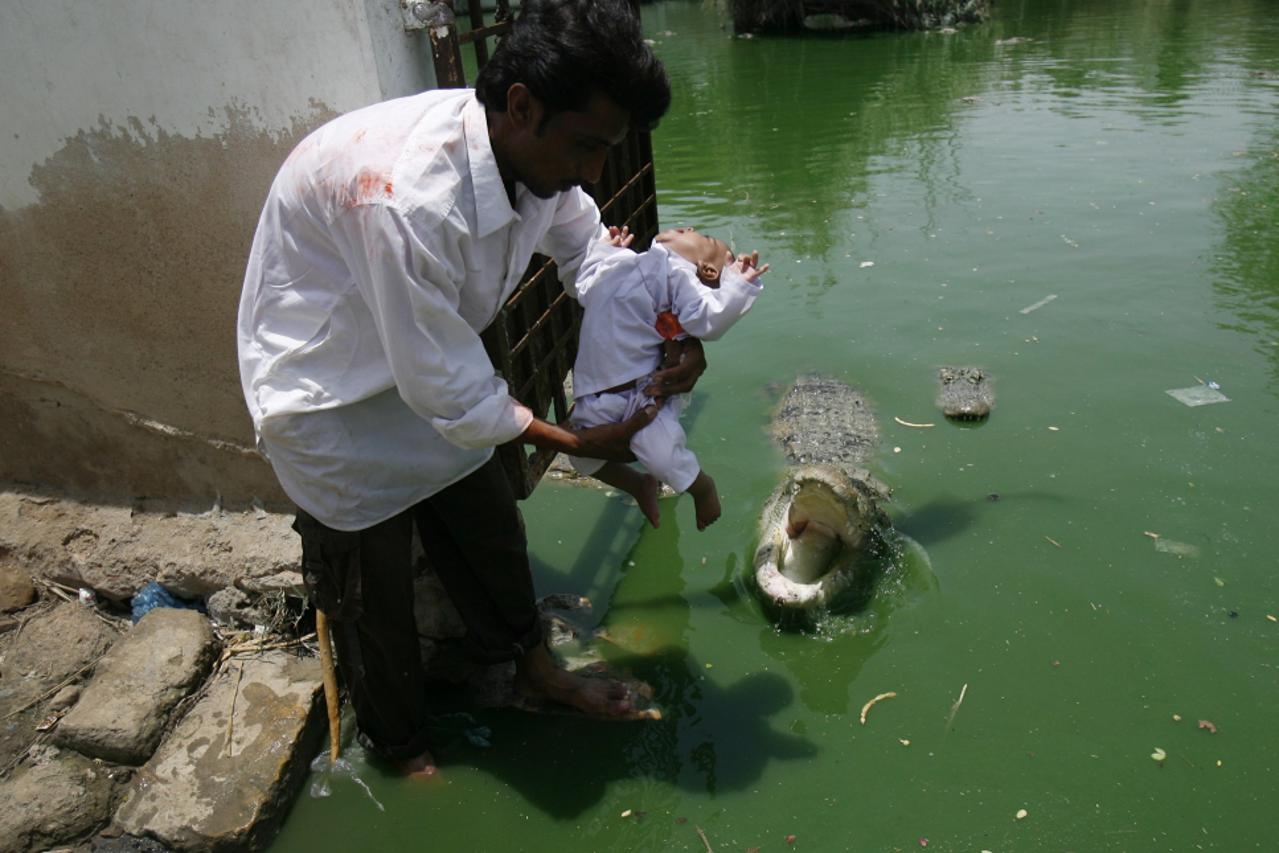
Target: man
{"x":389,"y":240}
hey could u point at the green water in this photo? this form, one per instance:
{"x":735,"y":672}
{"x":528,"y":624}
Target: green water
{"x":1126,"y":161}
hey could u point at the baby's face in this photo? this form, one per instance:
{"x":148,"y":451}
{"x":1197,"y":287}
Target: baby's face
{"x":694,"y":247}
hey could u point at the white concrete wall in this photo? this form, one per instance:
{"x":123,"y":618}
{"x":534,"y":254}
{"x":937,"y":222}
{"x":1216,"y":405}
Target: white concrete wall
{"x":177,"y":66}
{"x":139,"y":139}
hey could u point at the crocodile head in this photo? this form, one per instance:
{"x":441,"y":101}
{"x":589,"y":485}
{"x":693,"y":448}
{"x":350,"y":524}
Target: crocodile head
{"x":812,"y":530}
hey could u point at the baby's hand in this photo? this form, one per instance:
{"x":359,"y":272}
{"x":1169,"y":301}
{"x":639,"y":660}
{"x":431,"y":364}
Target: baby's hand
{"x":619,"y":237}
{"x":747,"y":265}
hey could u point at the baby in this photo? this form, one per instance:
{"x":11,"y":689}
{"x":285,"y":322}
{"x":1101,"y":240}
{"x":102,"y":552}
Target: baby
{"x":686,"y":284}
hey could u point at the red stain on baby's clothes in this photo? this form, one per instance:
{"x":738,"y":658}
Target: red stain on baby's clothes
{"x":668,"y":326}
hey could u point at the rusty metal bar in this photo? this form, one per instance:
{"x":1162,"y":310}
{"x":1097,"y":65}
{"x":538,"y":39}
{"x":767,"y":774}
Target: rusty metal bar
{"x":445,"y":50}
{"x":638,"y":176}
{"x":476,"y":9}
{"x":477,"y":36}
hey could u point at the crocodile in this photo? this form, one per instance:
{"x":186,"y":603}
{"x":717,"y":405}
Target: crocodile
{"x":964,"y":393}
{"x":826,"y":512}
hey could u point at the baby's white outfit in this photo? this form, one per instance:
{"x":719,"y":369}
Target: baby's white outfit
{"x":620,"y":344}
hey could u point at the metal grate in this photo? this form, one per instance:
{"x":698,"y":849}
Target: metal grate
{"x":533,"y":340}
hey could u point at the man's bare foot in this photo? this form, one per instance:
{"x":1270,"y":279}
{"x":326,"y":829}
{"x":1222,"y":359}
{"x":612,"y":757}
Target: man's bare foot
{"x":646,"y":497}
{"x":538,"y":674}
{"x":419,"y":767}
{"x":705,"y":500}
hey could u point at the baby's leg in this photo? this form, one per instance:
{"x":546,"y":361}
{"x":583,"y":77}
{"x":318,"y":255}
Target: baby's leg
{"x":660,"y":446}
{"x":643,"y":487}
{"x":705,"y":500}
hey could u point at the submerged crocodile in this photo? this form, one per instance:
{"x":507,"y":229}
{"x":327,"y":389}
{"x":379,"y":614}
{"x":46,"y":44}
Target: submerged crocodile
{"x":825,"y":514}
{"x":964,"y":393}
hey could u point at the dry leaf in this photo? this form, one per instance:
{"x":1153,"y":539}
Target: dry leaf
{"x":1207,"y":724}
{"x":1021,"y":814}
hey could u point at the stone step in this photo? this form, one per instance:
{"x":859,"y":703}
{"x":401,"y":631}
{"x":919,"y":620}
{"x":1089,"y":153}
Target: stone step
{"x":122,"y":714}
{"x":59,"y":797}
{"x":226,"y":775}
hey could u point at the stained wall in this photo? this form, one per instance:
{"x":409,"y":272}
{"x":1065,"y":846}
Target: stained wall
{"x":138,"y":144}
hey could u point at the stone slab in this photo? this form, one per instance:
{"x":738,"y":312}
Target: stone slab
{"x":56,"y":644}
{"x":226,"y":775}
{"x":121,"y":715}
{"x":16,"y":589}
{"x":61,"y":798}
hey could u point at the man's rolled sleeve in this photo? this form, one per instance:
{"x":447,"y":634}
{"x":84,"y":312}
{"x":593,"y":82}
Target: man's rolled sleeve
{"x":438,"y":362}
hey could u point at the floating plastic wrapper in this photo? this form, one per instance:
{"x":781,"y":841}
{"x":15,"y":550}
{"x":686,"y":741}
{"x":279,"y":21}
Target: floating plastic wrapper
{"x":1198,"y":395}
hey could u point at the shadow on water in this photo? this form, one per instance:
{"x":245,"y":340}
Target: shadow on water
{"x":711,"y":738}
{"x":945,"y":517}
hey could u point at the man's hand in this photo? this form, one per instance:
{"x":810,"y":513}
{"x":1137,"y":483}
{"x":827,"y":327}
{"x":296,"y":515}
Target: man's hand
{"x":620,"y":237}
{"x":680,"y":378}
{"x":612,"y":442}
{"x":746,"y":265}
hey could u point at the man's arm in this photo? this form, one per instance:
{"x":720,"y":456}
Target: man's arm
{"x":610,"y":442}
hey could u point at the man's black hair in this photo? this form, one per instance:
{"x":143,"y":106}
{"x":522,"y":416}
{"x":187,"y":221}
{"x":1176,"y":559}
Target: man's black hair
{"x":565,"y":50}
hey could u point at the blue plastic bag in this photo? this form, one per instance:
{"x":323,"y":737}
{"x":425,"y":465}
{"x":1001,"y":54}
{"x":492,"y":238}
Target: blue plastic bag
{"x":153,"y":595}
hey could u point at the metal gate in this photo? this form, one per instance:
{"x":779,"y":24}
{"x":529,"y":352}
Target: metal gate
{"x":533,"y":341}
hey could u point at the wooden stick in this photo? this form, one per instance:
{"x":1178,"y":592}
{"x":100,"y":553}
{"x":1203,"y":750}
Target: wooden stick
{"x":329,"y":676}
{"x":230,"y":720}
{"x":705,"y":840}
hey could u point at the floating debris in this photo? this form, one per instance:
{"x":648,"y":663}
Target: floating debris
{"x":1053,"y":541}
{"x":627,"y":813}
{"x":881,"y":697}
{"x":866,"y":264}
{"x":1022,"y":814}
{"x":1176,"y":718}
{"x":912,"y":425}
{"x":1197,"y":395}
{"x":954,"y":709}
{"x":1040,"y":304}
{"x":1179,"y":549}
{"x":1207,"y":724}
{"x":1159,"y":756}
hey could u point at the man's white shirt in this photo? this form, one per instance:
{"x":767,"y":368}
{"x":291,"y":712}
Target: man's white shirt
{"x":386,"y":244}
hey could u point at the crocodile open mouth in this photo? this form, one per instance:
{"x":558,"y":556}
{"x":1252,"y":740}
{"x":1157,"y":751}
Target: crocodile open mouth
{"x":823,"y":529}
